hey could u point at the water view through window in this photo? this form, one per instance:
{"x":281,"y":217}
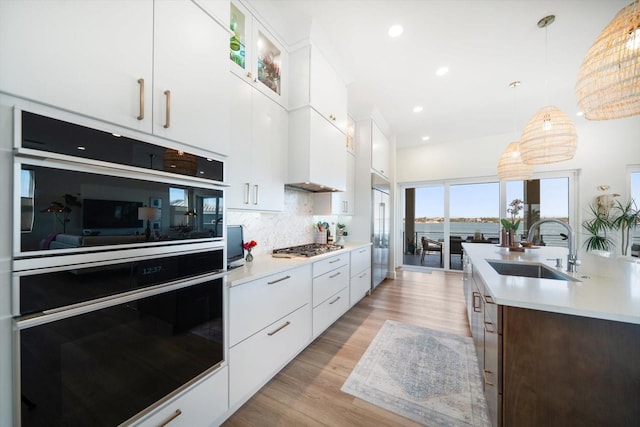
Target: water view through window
{"x":473,"y":214}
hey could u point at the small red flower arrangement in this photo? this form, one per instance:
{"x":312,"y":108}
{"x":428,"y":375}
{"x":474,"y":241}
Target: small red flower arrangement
{"x":250,"y":245}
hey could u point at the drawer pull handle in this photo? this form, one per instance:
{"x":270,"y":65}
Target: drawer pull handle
{"x":278,"y":280}
{"x":141,"y":83}
{"x":167,"y":122}
{"x":476,"y":297}
{"x":362,"y":251}
{"x":335,"y":300}
{"x":334,"y":275}
{"x":490,"y":327}
{"x":362,"y":275}
{"x":172,"y":417}
{"x":335,"y":260}
{"x":486,"y":372}
{"x":287,"y":323}
{"x":489,"y":299}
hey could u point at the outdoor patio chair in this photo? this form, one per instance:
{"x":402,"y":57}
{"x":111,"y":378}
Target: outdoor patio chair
{"x":429,"y":245}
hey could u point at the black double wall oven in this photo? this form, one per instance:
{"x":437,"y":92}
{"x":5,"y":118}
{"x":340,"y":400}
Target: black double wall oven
{"x":118,"y":266}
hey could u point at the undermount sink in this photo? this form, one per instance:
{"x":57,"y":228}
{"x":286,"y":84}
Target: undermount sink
{"x":538,"y":271}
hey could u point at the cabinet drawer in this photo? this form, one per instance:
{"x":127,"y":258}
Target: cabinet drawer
{"x":329,"y":311}
{"x":255,"y":360}
{"x":200,"y":405}
{"x":261,"y":302}
{"x":359,"y":286}
{"x":330,"y":283}
{"x":360,"y":259}
{"x":321,"y":267}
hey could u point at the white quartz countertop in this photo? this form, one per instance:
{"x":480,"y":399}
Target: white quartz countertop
{"x":606,"y":288}
{"x":265,"y":265}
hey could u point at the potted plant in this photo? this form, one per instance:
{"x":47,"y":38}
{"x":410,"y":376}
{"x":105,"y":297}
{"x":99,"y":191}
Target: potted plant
{"x":597,"y":228}
{"x":626,"y":218}
{"x":511,"y":226}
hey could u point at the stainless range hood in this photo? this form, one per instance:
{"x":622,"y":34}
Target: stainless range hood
{"x":317,"y":153}
{"x":310,"y":187}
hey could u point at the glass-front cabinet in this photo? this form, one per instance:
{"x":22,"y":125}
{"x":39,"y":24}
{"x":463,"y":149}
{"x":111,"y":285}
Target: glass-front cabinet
{"x":256,"y":56}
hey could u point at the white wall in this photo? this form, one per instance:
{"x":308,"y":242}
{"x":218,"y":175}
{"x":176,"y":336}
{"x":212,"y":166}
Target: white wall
{"x":605,"y":149}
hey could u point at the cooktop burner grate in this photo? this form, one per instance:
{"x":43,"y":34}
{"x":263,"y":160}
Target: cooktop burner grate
{"x":308,"y":250}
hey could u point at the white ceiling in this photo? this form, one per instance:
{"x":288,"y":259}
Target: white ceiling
{"x":485,"y":44}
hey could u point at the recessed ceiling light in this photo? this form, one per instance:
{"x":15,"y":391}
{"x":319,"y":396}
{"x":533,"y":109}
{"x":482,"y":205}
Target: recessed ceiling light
{"x":81,"y":147}
{"x":442,"y":71}
{"x":395,"y":30}
{"x":117,"y":135}
{"x":417,"y":108}
{"x":426,"y":138}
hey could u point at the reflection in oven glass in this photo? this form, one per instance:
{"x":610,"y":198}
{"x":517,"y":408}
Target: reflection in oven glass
{"x":104,"y":367}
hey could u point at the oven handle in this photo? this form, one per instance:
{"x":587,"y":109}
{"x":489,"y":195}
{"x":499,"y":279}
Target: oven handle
{"x":53,"y":315}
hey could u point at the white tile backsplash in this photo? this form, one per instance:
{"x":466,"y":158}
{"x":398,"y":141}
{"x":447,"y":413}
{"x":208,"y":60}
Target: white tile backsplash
{"x":294,"y":226}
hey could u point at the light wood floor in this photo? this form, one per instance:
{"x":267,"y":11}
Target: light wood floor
{"x":307,"y":391}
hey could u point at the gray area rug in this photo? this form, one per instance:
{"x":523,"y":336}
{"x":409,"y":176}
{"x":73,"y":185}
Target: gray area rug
{"x":428,"y":376}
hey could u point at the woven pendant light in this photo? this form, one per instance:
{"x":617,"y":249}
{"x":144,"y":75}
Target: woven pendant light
{"x":510,"y":165}
{"x":608,"y":85}
{"x":549,"y":136}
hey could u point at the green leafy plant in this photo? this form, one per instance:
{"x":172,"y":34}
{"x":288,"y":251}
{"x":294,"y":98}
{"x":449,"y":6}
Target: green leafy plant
{"x":626,"y":218}
{"x":597,"y":228}
{"x":514,"y":208}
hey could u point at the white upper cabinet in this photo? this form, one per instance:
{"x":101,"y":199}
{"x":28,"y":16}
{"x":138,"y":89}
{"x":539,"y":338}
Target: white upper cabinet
{"x":83,"y":56}
{"x":121,"y":61}
{"x":316,"y":152}
{"x":316,"y":82}
{"x":256,"y":169}
{"x":256,"y":56}
{"x":191,"y":79}
{"x":379,"y":151}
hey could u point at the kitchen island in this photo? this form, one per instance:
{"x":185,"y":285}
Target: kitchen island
{"x":560,"y":351}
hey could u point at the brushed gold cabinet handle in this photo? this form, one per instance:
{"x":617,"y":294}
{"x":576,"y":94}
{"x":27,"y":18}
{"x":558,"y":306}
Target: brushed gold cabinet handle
{"x":141,"y":83}
{"x":168,"y":111}
{"x":278,"y":280}
{"x":490,"y":327}
{"x":246,"y":192}
{"x":486,"y":372}
{"x":287,"y":323}
{"x":173,"y":416}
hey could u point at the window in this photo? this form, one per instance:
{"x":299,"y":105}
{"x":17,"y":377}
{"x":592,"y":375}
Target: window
{"x":635,"y":195}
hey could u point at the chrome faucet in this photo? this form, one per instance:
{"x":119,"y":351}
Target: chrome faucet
{"x":572,"y":258}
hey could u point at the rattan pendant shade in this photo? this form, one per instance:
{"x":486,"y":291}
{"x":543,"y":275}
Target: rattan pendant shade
{"x":510,"y":165}
{"x":549,"y":137}
{"x":608,"y":85}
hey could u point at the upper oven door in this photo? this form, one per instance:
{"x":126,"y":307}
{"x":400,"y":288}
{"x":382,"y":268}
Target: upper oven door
{"x":63,"y":208}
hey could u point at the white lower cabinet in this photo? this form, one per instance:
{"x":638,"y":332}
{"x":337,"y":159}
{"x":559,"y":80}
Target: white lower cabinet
{"x":255,"y":360}
{"x":201,"y":405}
{"x":360,"y":274}
{"x":330,"y":311}
{"x":330,"y":291}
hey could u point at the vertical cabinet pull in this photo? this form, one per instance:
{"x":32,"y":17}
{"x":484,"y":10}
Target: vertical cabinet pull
{"x":172,"y":417}
{"x":141,"y":83}
{"x":256,"y":191}
{"x":489,"y":299}
{"x":247,"y":187}
{"x":167,"y":121}
{"x":476,"y":297}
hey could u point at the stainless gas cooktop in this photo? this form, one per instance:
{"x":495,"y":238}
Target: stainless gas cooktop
{"x":308,"y":250}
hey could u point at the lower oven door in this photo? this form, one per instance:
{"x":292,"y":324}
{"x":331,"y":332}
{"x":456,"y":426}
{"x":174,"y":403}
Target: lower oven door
{"x":101,"y":364}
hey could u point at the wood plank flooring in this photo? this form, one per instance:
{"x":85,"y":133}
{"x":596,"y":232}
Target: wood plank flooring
{"x":307,"y":391}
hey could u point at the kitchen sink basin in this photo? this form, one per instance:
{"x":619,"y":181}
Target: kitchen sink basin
{"x":538,"y":271}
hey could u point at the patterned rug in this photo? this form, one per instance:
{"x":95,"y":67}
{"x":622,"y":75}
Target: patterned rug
{"x":428,"y":376}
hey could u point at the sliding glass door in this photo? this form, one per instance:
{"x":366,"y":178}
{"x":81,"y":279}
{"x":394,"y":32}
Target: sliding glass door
{"x":439,"y":217}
